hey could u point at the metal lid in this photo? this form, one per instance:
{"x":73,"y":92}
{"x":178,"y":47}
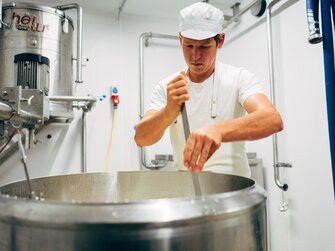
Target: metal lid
{"x":30,"y":6}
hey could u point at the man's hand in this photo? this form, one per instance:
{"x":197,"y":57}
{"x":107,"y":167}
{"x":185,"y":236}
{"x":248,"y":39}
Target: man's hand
{"x":177,"y":94}
{"x":200,"y":146}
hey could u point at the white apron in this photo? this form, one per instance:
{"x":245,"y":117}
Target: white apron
{"x":230,"y":158}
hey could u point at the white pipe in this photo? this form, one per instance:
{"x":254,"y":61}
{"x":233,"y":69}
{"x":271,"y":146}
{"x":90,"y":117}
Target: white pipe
{"x":71,"y":98}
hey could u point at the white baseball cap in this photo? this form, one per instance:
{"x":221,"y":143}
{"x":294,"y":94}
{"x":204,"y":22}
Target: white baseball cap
{"x":200,"y":21}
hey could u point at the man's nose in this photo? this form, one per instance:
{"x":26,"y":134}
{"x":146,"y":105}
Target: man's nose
{"x":196,"y":53}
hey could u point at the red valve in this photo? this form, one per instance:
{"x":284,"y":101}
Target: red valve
{"x":115,"y":100}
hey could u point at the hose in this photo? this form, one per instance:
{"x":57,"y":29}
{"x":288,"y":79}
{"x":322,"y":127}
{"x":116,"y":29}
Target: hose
{"x":312,"y":9}
{"x":111,"y":141}
{"x":329,"y":69}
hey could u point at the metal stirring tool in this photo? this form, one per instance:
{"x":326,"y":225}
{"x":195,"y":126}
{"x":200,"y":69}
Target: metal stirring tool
{"x":23,"y":157}
{"x":195,"y":178}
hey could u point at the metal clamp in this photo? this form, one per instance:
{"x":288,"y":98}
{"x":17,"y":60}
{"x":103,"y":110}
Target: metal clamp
{"x":236,"y":8}
{"x":282,"y":186}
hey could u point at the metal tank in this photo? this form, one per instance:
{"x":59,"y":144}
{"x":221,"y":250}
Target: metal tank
{"x":139,"y":210}
{"x":44,"y":31}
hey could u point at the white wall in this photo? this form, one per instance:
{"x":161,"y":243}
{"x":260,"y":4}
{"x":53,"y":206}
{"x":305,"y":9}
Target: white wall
{"x":112,"y":48}
{"x":309,"y":223}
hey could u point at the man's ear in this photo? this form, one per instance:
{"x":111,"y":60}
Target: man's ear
{"x":180,"y":37}
{"x":221,"y":40}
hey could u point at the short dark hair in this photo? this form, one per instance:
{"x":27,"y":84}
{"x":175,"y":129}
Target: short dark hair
{"x":217,"y":38}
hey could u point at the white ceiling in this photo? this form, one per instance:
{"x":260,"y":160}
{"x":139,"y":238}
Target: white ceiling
{"x":156,"y":8}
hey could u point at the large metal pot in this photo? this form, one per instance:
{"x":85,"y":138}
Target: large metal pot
{"x":142,"y":210}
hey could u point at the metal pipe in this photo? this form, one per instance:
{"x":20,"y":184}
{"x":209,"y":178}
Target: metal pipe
{"x":144,"y":41}
{"x":71,"y":98}
{"x":84,"y":143}
{"x":85,"y":107}
{"x":145,"y":37}
{"x":240,"y":13}
{"x":79,"y":36}
{"x":7,"y":113}
{"x":0,"y":13}
{"x":276,"y":165}
{"x":23,"y":158}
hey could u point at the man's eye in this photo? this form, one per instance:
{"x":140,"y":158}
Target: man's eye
{"x":189,"y":46}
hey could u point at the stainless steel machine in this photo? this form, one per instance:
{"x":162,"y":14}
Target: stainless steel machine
{"x":36,"y":67}
{"x":139,"y":210}
{"x":36,"y":54}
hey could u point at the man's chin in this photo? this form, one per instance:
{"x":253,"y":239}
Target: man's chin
{"x":197,"y":68}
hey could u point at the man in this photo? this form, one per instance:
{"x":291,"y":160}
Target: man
{"x":217,"y":97}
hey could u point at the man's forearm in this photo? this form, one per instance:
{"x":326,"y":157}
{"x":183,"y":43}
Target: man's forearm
{"x":151,"y":128}
{"x":253,"y":126}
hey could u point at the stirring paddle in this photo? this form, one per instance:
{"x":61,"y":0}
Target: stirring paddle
{"x":195,"y":177}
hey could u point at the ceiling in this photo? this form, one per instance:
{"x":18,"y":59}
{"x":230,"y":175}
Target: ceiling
{"x":155,"y":8}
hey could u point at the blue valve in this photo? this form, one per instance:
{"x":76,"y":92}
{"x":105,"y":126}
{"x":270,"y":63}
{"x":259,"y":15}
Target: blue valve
{"x":115,"y":90}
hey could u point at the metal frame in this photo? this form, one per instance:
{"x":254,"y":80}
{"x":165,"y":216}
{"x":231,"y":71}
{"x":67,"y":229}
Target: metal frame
{"x":79,"y":36}
{"x":85,"y":104}
{"x":237,"y":14}
{"x":144,"y":41}
{"x":276,"y":164}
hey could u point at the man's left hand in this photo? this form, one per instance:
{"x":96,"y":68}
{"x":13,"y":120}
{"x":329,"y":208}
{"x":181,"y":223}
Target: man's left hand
{"x":200,"y":146}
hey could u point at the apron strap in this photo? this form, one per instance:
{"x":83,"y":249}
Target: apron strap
{"x":214,"y":93}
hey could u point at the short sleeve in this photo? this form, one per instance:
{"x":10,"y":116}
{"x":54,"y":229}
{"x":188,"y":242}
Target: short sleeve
{"x":158,"y":97}
{"x":248,"y":85}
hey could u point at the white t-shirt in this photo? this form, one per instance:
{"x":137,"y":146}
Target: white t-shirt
{"x":228,"y":88}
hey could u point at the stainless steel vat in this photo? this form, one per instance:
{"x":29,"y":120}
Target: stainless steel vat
{"x":144,"y":210}
{"x":45,"y":31}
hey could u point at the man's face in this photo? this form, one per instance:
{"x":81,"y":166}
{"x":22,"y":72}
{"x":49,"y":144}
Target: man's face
{"x":199,"y":54}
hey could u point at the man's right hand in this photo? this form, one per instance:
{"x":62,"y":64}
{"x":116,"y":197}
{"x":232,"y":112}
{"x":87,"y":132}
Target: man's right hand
{"x":177,"y":94}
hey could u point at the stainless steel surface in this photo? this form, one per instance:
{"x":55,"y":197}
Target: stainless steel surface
{"x":45,"y":31}
{"x":134,"y":211}
{"x":186,"y":126}
{"x":144,"y":41}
